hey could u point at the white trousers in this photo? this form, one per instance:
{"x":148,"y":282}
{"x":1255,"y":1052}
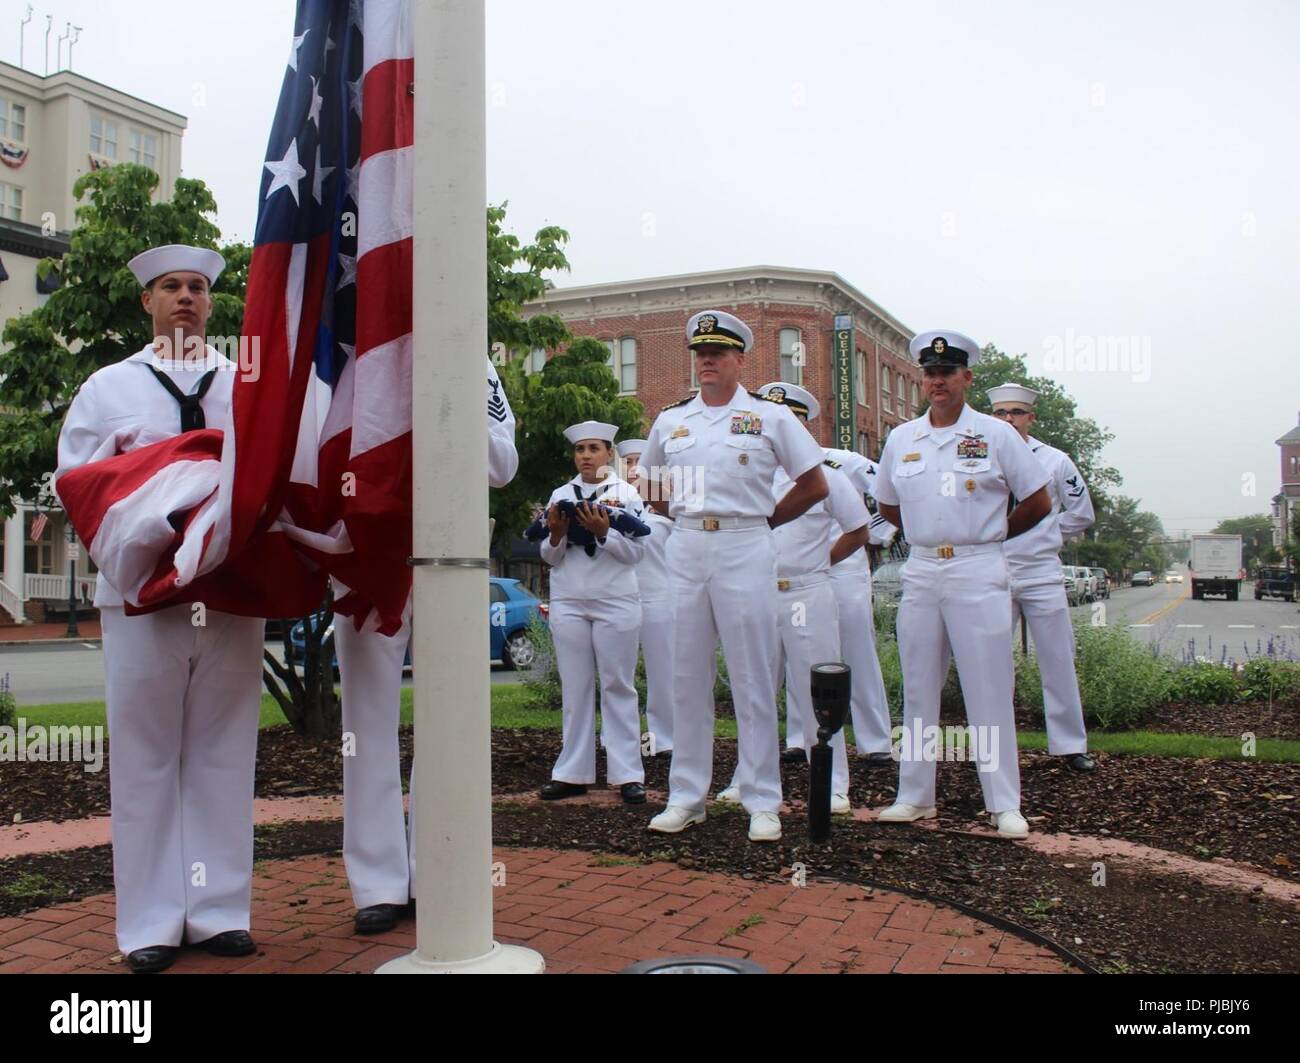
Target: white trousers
{"x":870,"y":705}
{"x":183,"y":707}
{"x":1047,"y":614}
{"x":376,"y":850}
{"x":962,"y":607}
{"x":657,"y":646}
{"x":810,"y":634}
{"x":598,"y":637}
{"x":724,"y":586}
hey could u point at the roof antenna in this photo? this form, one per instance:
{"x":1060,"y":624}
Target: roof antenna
{"x":49,"y":26}
{"x":76,"y":35}
{"x":67,"y":32}
{"x":22,"y":32}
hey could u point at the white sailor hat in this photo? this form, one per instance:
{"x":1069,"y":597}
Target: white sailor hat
{"x":1012,"y":393}
{"x":717,"y":326}
{"x":575,"y":433}
{"x":176,"y":258}
{"x":800,"y":400}
{"x":944,"y":347}
{"x":632,"y":446}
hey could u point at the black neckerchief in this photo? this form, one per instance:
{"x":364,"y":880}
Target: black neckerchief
{"x":192,"y":417}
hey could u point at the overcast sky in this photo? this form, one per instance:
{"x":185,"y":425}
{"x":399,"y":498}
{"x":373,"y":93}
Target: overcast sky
{"x":1115,"y":176}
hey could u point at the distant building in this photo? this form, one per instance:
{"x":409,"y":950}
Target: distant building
{"x":793,"y":315}
{"x":52,"y":130}
{"x":1289,"y":446}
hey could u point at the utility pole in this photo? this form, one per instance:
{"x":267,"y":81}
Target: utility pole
{"x":22,"y":34}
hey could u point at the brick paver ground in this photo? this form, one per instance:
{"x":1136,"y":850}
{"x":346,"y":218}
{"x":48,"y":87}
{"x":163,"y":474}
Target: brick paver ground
{"x":583,"y":913}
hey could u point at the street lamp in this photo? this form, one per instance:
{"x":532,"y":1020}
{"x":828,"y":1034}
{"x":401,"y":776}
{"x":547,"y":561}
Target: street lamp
{"x":831,"y":689}
{"x":73,"y":551}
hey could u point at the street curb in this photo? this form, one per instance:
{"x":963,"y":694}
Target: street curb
{"x":49,"y":642}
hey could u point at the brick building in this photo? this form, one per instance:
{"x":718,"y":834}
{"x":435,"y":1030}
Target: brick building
{"x":1289,"y":447}
{"x":793,"y":313}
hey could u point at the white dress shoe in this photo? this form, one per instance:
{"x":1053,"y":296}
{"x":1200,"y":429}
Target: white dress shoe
{"x":904,"y":813}
{"x":764,"y":827}
{"x":674,"y":819}
{"x":840,"y":805}
{"x":729,"y":796}
{"x":1010,"y":824}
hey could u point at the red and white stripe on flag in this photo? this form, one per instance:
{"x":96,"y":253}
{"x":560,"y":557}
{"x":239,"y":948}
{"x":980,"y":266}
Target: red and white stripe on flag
{"x":38,"y":527}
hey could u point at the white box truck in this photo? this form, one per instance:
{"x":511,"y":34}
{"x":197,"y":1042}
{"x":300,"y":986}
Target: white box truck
{"x":1216,"y":566}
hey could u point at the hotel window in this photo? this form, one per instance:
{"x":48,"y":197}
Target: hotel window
{"x":11,"y":202}
{"x":886,"y":400}
{"x":860,"y":367}
{"x":622,"y":363}
{"x":864,"y":444}
{"x":902,"y":396}
{"x":916,"y":397}
{"x":535,"y":362}
{"x":103,"y":137}
{"x":793,"y":356}
{"x":13,"y":120}
{"x":144,"y":149}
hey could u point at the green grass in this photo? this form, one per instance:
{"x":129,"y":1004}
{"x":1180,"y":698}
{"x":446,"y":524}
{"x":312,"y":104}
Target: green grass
{"x":509,"y":709}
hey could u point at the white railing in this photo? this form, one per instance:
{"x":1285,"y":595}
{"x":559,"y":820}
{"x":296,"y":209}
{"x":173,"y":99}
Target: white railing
{"x":11,"y":602}
{"x":40,"y":585}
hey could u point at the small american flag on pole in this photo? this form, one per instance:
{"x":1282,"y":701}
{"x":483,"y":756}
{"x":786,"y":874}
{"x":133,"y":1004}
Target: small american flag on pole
{"x":38,"y":527}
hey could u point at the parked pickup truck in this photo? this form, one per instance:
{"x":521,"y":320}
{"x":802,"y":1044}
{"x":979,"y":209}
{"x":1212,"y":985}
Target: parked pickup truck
{"x":1274,"y":582}
{"x":1216,"y":566}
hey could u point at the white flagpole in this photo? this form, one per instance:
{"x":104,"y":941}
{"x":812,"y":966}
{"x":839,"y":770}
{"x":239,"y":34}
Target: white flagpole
{"x":450,"y":641}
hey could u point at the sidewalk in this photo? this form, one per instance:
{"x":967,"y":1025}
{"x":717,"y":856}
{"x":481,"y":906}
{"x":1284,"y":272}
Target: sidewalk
{"x":583,"y":913}
{"x":88,"y":631}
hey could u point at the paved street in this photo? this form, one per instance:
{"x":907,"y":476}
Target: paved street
{"x":60,"y":672}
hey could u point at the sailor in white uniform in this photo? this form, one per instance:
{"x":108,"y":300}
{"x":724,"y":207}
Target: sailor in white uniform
{"x":656,"y":605}
{"x":183,"y":687}
{"x":595,"y":621}
{"x":1034,"y":564}
{"x":945,"y":479}
{"x":721,"y":449}
{"x":851,"y":580}
{"x":378,"y":846}
{"x":807,"y":615}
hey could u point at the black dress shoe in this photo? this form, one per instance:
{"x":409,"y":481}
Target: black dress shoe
{"x":556,"y":790}
{"x":794,"y":755}
{"x":151,"y":960}
{"x":878,"y":760}
{"x":633,"y":793}
{"x":1080,"y":762}
{"x":376,"y":919}
{"x":229,"y":943}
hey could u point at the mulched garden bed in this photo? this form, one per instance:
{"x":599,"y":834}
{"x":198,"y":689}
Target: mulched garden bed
{"x":1242,"y":810}
{"x":1138,"y":922}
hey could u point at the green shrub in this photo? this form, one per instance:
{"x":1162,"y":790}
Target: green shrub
{"x":1029,"y":680}
{"x":1203,"y":683}
{"x":8,"y":704}
{"x":1119,"y":680}
{"x":1271,"y":680}
{"x":541,"y":683}
{"x":891,"y":669}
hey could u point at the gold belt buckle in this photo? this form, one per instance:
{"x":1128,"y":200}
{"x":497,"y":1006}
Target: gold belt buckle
{"x":783,"y":584}
{"x":712,"y":524}
{"x":945,"y":552}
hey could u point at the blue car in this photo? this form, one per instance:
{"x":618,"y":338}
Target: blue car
{"x":511,"y":608}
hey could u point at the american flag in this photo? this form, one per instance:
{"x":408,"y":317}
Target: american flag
{"x":329,"y":297}
{"x":315,"y":477}
{"x":38,"y":527}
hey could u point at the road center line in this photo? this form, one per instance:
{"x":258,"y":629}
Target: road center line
{"x":1241,"y":625}
{"x":1189,"y":625}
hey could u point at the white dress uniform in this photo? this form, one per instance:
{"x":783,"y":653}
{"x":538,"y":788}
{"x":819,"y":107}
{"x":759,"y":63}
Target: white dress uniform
{"x":1034,"y":564}
{"x":183,"y":700}
{"x":851,"y":581}
{"x":656,"y":591}
{"x":952,"y":486}
{"x":595,"y":623}
{"x":378,"y":852}
{"x":721,"y":461}
{"x":808,"y":615}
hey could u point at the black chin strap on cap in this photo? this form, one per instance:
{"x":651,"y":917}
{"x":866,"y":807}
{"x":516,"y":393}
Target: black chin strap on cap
{"x":192,"y":418}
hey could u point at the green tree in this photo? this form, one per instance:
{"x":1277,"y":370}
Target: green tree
{"x":95,"y":317}
{"x":1256,"y":533}
{"x":576,"y":385}
{"x":1124,"y":537}
{"x":510,"y":287}
{"x":1058,"y":423}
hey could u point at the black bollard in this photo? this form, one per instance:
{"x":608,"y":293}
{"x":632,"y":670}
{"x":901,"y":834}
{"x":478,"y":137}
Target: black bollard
{"x":831,"y":689}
